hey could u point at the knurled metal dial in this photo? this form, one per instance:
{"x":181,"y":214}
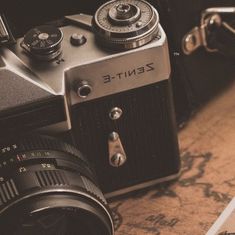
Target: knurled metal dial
{"x":43,"y":42}
{"x":125,"y":24}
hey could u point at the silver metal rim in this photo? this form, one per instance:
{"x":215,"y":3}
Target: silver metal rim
{"x":63,"y":191}
{"x":111,"y":38}
{"x":54,"y":45}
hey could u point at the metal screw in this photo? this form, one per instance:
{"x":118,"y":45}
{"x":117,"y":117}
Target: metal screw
{"x":190,"y":42}
{"x":215,"y":20}
{"x":115,"y":113}
{"x":139,"y":24}
{"x":114,"y":136}
{"x":118,"y":159}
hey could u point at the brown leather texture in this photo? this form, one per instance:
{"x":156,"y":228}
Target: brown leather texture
{"x":191,"y":204}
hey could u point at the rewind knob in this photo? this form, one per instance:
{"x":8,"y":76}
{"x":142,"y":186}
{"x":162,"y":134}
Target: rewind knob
{"x":43,"y":42}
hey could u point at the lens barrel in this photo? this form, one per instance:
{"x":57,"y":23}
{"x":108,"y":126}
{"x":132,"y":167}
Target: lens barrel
{"x":47,"y":187}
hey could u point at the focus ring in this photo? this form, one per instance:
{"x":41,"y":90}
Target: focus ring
{"x":36,"y":169}
{"x":8,"y":191}
{"x":51,"y":178}
{"x":38,"y":182}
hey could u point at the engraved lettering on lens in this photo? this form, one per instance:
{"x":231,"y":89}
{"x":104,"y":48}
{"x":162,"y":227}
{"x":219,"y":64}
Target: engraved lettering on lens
{"x":7,"y":149}
{"x":129,"y":73}
{"x":22,"y":169}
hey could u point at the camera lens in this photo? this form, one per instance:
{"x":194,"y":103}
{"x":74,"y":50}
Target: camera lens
{"x":47,"y":187}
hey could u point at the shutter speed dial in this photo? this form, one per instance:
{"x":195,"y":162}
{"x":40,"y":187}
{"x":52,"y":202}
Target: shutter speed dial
{"x":125,"y":24}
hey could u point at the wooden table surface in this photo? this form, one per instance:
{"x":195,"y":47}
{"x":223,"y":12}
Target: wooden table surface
{"x":191,"y":204}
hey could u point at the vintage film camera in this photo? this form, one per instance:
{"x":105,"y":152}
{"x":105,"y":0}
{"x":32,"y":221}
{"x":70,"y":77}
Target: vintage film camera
{"x":101,"y":84}
{"x":196,"y":77}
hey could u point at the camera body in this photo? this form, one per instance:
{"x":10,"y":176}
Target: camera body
{"x":196,"y":78}
{"x":115,"y":104}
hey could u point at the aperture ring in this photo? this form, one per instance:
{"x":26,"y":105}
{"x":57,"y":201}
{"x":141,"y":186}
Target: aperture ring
{"x":38,"y":142}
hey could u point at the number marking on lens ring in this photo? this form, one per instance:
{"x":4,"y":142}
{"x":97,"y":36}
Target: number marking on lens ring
{"x":22,"y":169}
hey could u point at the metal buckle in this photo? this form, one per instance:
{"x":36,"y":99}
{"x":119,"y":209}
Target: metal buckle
{"x":197,"y":37}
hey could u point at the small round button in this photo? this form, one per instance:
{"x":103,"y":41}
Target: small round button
{"x":77,"y":39}
{"x":83,"y":89}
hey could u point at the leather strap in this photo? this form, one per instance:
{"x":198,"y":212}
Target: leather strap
{"x":6,"y":36}
{"x":222,"y":38}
